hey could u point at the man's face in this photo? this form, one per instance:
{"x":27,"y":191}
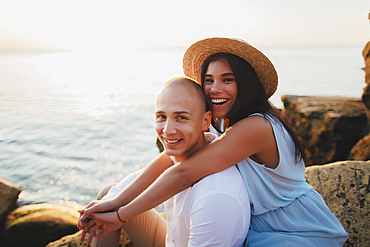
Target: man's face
{"x":179,"y":121}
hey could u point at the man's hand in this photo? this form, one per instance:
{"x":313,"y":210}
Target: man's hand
{"x":104,"y":222}
{"x":94,"y":207}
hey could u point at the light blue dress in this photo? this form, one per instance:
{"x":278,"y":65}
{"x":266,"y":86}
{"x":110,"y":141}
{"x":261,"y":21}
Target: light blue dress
{"x":286,"y":210}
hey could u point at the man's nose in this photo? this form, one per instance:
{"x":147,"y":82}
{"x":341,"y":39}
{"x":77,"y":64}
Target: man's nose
{"x":169,"y":127}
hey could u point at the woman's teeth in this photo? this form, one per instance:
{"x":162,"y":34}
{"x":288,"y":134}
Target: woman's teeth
{"x":218,"y":101}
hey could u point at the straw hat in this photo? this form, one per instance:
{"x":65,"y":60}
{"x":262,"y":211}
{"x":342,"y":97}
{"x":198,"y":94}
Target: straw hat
{"x":197,"y":53}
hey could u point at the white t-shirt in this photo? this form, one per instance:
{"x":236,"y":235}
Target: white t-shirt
{"x":213,"y":212}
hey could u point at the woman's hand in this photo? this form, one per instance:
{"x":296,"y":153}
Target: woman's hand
{"x":104,"y":222}
{"x":94,"y":207}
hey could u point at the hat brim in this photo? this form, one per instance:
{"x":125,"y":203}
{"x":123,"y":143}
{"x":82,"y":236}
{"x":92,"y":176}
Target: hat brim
{"x":197,"y":53}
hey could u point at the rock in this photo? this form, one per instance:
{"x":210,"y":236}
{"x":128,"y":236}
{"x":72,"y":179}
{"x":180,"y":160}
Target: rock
{"x":366,"y":56}
{"x":366,"y":94}
{"x":69,"y":241}
{"x":328,"y":127}
{"x":37,"y":225}
{"x":361,"y":151}
{"x":345,"y":187}
{"x":74,"y":241}
{"x":8,"y":197}
{"x":366,"y":99}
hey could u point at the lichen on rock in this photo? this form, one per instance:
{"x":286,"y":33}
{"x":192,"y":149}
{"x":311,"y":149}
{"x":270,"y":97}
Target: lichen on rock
{"x":345,"y":187}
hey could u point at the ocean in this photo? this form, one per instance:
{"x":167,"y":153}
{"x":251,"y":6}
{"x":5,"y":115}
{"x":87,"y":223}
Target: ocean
{"x":71,"y":122}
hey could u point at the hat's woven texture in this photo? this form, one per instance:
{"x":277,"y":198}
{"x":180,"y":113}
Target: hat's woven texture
{"x":197,"y":53}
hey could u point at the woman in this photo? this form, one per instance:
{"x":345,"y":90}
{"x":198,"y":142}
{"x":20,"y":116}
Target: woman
{"x":238,"y":80}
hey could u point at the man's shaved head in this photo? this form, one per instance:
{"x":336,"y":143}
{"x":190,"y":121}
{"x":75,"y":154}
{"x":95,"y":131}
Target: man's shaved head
{"x":188,"y":84}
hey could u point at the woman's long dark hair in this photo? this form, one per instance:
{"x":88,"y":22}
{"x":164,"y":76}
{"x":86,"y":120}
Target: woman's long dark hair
{"x":251,"y":98}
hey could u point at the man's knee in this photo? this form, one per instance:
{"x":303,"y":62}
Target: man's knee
{"x":103,"y":191}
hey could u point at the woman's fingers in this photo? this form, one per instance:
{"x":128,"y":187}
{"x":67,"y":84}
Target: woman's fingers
{"x":86,"y":214}
{"x":93,"y":207}
{"x":88,"y":210}
{"x":80,"y":223}
{"x":81,"y":211}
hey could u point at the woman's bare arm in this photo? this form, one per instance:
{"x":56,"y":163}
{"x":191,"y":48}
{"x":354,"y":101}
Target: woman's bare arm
{"x":154,"y":169}
{"x":250,"y":136}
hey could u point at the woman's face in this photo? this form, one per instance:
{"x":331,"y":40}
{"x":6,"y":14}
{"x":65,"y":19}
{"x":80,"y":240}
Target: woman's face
{"x":220,"y":87}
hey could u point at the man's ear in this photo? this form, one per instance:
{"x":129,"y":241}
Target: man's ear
{"x":206,"y":120}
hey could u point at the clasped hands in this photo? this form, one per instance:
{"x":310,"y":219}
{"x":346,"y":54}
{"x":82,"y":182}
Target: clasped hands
{"x":98,"y":215}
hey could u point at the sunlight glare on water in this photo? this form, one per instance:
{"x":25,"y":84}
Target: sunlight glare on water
{"x":71,"y":122}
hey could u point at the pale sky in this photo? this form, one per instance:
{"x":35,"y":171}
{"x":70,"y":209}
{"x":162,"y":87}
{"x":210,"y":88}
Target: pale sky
{"x":113,"y":24}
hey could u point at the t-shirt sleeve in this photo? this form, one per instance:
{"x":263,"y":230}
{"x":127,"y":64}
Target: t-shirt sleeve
{"x":116,"y":189}
{"x":217,"y":220}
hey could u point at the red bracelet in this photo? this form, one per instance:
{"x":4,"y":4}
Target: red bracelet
{"x":123,"y":221}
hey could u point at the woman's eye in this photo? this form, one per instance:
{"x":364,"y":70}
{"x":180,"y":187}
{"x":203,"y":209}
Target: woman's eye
{"x":208,"y":81}
{"x":182,"y":118}
{"x":229,"y":80}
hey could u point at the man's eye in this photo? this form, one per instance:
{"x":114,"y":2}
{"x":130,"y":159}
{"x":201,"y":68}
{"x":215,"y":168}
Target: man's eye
{"x":182,"y":117}
{"x":161,"y":117}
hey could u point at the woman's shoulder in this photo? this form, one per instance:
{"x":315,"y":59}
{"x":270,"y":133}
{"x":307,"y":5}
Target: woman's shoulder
{"x":253,"y":131}
{"x":256,"y":120}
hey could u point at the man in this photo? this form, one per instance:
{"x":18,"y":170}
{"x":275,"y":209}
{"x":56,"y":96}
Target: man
{"x":213,"y":212}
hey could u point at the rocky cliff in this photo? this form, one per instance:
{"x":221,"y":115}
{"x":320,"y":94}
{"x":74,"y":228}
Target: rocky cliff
{"x":328,"y":127}
{"x":361,"y":151}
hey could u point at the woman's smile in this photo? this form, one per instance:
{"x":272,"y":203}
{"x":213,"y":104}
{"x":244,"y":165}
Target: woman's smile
{"x":218,"y":101}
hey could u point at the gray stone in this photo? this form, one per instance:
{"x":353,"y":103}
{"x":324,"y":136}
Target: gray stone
{"x":345,"y":187}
